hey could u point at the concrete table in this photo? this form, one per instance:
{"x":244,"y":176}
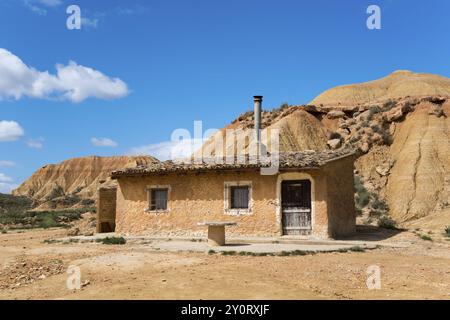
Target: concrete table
{"x":216,"y":232}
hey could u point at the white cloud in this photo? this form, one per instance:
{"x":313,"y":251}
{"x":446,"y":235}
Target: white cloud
{"x":7,"y":187}
{"x":88,"y":22}
{"x":103,"y":142}
{"x":10,"y":130}
{"x":169,"y":150}
{"x":5,"y":178}
{"x":38,"y":6}
{"x":6,"y":184}
{"x":51,"y":3}
{"x":71,"y":82}
{"x":36,"y":143}
{"x":5,"y":163}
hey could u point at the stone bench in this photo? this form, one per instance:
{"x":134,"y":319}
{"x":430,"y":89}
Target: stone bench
{"x":216,"y":232}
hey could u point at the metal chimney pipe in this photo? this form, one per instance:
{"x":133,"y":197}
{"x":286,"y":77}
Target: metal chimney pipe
{"x":257,"y":118}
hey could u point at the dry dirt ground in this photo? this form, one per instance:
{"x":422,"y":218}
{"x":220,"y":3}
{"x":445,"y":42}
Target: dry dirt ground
{"x":32,"y":269}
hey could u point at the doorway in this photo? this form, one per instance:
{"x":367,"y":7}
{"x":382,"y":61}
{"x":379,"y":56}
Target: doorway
{"x":296,"y":207}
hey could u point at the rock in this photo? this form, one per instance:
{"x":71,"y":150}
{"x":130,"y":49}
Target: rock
{"x":368,"y":131}
{"x":313,"y":109}
{"x":73,"y":232}
{"x":343,"y":132}
{"x":343,"y":124}
{"x":364,"y":147}
{"x":394,"y":114}
{"x":42,"y":277}
{"x":437,"y":111}
{"x":376,"y":137}
{"x":383,"y":170}
{"x":334,"y":143}
{"x":334,"y":114}
{"x":85,"y":283}
{"x":392,"y":128}
{"x":88,"y":234}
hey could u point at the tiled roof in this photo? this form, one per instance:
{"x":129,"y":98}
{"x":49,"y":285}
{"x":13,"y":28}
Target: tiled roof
{"x":304,"y":159}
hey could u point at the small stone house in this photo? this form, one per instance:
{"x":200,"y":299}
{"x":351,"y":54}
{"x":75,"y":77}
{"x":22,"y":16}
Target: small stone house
{"x":311,"y":195}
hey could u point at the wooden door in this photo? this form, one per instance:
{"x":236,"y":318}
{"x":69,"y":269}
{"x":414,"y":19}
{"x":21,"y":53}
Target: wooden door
{"x":296,"y":207}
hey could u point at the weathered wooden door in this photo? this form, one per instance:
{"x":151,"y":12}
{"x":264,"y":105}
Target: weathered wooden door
{"x":296,"y":207}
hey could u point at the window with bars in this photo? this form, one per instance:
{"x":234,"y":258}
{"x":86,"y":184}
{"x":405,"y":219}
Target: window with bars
{"x":239,"y":197}
{"x":158,"y":199}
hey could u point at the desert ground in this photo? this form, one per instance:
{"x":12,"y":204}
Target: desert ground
{"x":33,"y":268}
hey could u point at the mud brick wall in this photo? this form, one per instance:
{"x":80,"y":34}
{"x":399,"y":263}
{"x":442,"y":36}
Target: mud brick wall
{"x":106,"y":209}
{"x":197,"y":197}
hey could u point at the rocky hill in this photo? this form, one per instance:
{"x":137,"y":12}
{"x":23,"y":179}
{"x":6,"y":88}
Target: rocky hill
{"x":403,"y":143}
{"x":399,"y":125}
{"x":79,"y":177}
{"x":399,"y":84}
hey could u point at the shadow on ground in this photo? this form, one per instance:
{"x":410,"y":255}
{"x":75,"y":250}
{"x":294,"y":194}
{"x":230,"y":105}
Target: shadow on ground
{"x":372,"y":233}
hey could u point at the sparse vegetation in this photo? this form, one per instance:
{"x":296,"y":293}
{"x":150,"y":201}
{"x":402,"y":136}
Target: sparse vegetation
{"x":425,"y":237}
{"x":113,"y":240}
{"x":87,"y":202}
{"x":228,"y":253}
{"x":447,"y":231}
{"x":387,"y":138}
{"x":386,"y":222}
{"x":362,"y":195}
{"x":357,"y":249}
{"x":56,"y":192}
{"x":17,"y":214}
{"x":41,"y":219}
{"x":379,"y":207}
{"x":372,"y":111}
{"x":388,"y":105}
{"x":211,"y":251}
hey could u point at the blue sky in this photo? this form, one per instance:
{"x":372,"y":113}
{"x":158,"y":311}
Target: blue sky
{"x":138,"y":69}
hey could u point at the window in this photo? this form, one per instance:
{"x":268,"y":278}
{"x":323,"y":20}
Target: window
{"x":239,"y":197}
{"x":158,"y":199}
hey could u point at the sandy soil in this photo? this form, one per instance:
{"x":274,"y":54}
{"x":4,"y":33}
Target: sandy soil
{"x":31,"y":269}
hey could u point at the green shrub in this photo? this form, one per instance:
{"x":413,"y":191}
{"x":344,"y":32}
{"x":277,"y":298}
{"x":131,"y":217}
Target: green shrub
{"x":447,"y":231}
{"x":387,"y":223}
{"x":56,"y":192}
{"x":362,"y":197}
{"x":113,"y":240}
{"x":362,"y":200}
{"x":387,"y":138}
{"x":378,"y":204}
{"x":388,"y":105}
{"x":356,"y":249}
{"x":228,"y":253}
{"x":87,"y":202}
{"x":48,"y":221}
{"x":211,"y":251}
{"x":425,"y":237}
{"x":4,"y":231}
{"x":372,"y":111}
